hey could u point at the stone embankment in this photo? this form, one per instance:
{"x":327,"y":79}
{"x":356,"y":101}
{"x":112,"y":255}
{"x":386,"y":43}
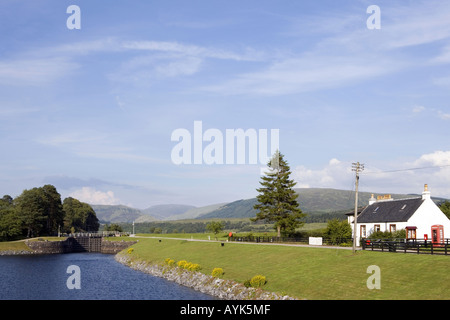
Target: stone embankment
{"x":15,"y":252}
{"x":220,"y":288}
{"x":70,"y":245}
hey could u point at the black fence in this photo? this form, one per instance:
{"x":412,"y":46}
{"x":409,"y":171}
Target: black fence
{"x":265,"y":239}
{"x":419,"y":246}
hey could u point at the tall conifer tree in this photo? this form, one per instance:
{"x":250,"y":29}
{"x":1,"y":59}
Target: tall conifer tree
{"x":277,"y":200}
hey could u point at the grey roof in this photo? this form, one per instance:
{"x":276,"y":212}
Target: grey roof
{"x":390,"y":211}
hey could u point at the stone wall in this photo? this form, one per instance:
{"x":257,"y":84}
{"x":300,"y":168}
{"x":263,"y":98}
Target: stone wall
{"x":114,"y":247}
{"x":70,"y":245}
{"x":46,"y":247}
{"x":220,"y":288}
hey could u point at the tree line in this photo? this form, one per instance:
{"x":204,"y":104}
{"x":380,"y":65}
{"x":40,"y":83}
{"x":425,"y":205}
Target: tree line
{"x":40,"y":211}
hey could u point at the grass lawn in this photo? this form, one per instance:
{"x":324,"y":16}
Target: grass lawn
{"x":311,"y":273}
{"x":14,"y":246}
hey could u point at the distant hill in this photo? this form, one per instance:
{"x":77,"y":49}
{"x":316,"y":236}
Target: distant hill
{"x":312,"y":201}
{"x":197,"y":212}
{"x":236,"y":209}
{"x":117,"y":213}
{"x":166,"y":211}
{"x":121,"y":213}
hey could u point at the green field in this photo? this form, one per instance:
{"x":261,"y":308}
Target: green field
{"x":14,"y":246}
{"x":311,"y":273}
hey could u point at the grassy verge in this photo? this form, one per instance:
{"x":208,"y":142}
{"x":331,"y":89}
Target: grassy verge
{"x":311,"y":273}
{"x":14,"y":246}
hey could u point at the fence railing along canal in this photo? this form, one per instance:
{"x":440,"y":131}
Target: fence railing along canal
{"x":305,"y":241}
{"x":419,"y":246}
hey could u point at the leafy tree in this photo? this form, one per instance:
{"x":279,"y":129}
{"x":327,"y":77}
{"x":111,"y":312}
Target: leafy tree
{"x":30,"y":206}
{"x":10,"y":224}
{"x":445,"y":208}
{"x":113,"y":227}
{"x":53,"y":209}
{"x":277,"y":200}
{"x":215,"y":227}
{"x":79,"y":215}
{"x":39,"y":209}
{"x":338,"y":231}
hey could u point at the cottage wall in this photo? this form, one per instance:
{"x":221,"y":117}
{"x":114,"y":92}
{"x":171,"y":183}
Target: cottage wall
{"x":427,"y":215}
{"x":423,"y":217}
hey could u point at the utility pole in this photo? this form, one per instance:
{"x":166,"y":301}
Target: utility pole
{"x":357,"y":167}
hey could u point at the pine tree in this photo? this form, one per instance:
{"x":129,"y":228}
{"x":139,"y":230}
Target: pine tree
{"x":277,"y":200}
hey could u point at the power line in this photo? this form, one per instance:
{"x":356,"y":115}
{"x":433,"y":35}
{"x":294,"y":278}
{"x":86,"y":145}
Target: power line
{"x":409,"y":169}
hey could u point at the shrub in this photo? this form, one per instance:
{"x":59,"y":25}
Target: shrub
{"x":194,"y":267}
{"x":258,"y":281}
{"x":217,"y":272}
{"x":182,"y":263}
{"x":170,"y":262}
{"x":130,"y":250}
{"x":187,"y":265}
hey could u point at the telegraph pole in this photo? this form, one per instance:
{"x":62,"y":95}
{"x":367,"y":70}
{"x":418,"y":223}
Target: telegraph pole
{"x":357,"y":167}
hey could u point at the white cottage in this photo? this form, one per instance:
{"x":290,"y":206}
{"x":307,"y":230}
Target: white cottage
{"x":420,"y":217}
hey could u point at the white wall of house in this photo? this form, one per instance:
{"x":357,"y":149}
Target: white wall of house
{"x":426,"y":216}
{"x":382,"y":226}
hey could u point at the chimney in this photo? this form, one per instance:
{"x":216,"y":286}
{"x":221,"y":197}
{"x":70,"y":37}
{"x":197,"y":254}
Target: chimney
{"x":386,"y":197}
{"x":426,"y":194}
{"x":372,"y":200}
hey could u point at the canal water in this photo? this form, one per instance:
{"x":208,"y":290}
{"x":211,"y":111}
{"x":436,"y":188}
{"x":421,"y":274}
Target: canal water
{"x":98,"y":276}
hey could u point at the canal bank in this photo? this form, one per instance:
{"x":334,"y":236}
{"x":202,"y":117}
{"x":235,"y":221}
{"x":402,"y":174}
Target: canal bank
{"x":220,"y":288}
{"x":70,"y":245}
{"x":99,"y":277}
{"x":216,"y":287}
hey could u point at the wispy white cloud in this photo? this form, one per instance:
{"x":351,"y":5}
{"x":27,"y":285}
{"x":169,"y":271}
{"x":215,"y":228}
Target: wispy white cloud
{"x":344,"y":54}
{"x":418,"y":109}
{"x":335,"y":174}
{"x":35,"y":71}
{"x":306,"y":73}
{"x":192,"y":50}
{"x":400,"y":177}
{"x":96,"y":145}
{"x":423,"y":23}
{"x":435,"y":112}
{"x":93,"y":196}
{"x":437,"y":158}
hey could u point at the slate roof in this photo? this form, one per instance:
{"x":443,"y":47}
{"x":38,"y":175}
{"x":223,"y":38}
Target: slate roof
{"x":390,"y":211}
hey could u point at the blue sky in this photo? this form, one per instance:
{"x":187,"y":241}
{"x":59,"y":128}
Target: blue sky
{"x":92,"y":111}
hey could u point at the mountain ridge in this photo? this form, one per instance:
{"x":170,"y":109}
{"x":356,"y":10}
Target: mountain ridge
{"x":311,"y":200}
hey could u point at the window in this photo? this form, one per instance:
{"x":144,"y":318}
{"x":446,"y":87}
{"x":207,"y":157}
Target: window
{"x":362,"y":231}
{"x":376,"y":228}
{"x":392,"y":228}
